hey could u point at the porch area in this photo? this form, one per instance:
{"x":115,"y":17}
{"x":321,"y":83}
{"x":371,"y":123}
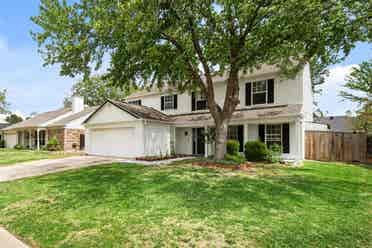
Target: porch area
{"x":289,"y":134}
{"x":34,"y":139}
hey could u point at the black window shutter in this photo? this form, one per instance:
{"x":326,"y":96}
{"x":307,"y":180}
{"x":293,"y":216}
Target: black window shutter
{"x":270,"y":92}
{"x":248,"y":94}
{"x":175,"y":101}
{"x":241,"y":137}
{"x":285,"y":138}
{"x":162,"y":103}
{"x":193,"y":101}
{"x":261,"y":132}
{"x":140,"y":102}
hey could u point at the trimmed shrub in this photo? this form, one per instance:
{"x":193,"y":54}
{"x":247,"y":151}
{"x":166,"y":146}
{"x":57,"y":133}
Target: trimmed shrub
{"x":232,"y":147}
{"x":239,"y":159}
{"x":275,"y":153}
{"x":2,"y":143}
{"x":53,"y":145}
{"x":18,"y":147}
{"x":255,"y":151}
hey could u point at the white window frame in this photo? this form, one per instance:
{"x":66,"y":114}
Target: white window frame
{"x":200,"y":97}
{"x":169,"y":102}
{"x":266,"y":91}
{"x":274,"y":140}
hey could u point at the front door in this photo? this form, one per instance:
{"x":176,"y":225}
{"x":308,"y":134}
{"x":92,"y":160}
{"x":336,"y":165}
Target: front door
{"x":82,"y":142}
{"x":198,"y":144}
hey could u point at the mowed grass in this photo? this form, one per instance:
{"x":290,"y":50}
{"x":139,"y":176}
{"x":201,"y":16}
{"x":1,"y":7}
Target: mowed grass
{"x":318,"y":205}
{"x":13,"y":156}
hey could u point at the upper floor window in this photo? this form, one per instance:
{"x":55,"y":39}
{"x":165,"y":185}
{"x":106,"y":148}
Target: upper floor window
{"x":135,"y":102}
{"x":199,"y":101}
{"x":169,"y":102}
{"x":259,"y":92}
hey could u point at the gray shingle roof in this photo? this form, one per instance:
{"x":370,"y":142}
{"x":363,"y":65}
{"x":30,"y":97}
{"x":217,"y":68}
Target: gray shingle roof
{"x":141,"y":112}
{"x":39,"y":119}
{"x":68,"y":119}
{"x":3,"y":125}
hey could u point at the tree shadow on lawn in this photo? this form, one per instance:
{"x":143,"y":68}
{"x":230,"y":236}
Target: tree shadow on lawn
{"x":199,"y":190}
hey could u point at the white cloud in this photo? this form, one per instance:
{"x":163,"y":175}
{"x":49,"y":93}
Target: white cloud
{"x":30,"y":86}
{"x":330,"y":100}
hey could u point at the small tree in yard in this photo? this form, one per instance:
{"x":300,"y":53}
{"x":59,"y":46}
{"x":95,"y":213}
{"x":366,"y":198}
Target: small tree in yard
{"x":358,"y":88}
{"x":184,"y":44}
{"x":4,"y":105}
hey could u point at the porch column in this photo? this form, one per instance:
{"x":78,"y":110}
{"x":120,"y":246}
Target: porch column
{"x":245,"y":139}
{"x":30,"y":139}
{"x":205,"y":142}
{"x":37,"y":139}
{"x":46,"y":136}
{"x":300,"y":133}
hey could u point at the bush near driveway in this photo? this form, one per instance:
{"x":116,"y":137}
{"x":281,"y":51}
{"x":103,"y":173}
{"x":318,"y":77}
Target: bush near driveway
{"x":318,"y":205}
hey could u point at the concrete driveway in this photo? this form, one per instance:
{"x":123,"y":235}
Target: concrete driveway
{"x":47,"y":166}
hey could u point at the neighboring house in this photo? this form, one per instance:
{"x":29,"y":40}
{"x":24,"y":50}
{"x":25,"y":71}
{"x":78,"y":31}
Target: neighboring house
{"x":65,"y":124}
{"x":272,"y":109}
{"x":339,"y":123}
{"x":2,"y":126}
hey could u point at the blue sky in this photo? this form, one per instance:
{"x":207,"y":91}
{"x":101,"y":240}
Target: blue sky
{"x":34,"y":88}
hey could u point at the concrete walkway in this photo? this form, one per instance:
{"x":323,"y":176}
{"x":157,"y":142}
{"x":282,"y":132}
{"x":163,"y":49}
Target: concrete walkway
{"x":7,"y":240}
{"x":47,"y":166}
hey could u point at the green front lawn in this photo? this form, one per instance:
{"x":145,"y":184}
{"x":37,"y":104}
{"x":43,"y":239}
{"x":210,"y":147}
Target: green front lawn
{"x":13,"y":156}
{"x":318,"y":205}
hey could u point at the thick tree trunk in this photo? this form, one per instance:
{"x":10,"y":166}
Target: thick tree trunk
{"x":221,"y":138}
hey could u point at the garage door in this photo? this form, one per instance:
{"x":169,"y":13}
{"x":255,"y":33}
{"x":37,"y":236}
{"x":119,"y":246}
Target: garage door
{"x":119,"y":142}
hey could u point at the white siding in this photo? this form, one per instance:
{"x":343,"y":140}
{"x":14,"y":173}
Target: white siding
{"x":286,"y":91}
{"x":10,"y":140}
{"x":110,"y":114}
{"x":311,"y":126}
{"x":157,"y":139}
{"x":184,"y":140}
{"x":307,"y":95}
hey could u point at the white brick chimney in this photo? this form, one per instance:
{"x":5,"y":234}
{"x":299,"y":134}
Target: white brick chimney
{"x":77,"y":103}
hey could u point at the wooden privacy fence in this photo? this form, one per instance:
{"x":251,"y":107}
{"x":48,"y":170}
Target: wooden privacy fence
{"x":335,"y":146}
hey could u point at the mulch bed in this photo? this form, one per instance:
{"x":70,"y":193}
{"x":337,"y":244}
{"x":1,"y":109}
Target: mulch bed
{"x":158,"y":158}
{"x":244,"y":167}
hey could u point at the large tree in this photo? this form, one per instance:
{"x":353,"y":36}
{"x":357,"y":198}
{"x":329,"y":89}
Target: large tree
{"x":185,"y":43}
{"x":4,"y":105}
{"x":96,"y":90}
{"x":13,"y":119}
{"x":358,"y":89}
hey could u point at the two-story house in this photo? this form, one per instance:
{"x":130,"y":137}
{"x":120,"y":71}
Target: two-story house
{"x":272,"y":109}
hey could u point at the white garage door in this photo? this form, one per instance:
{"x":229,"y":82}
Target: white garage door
{"x":119,"y":142}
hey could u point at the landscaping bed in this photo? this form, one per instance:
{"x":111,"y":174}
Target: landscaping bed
{"x":160,"y":158}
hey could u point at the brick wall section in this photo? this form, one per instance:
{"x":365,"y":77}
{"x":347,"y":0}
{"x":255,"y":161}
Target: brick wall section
{"x":72,"y":136}
{"x":59,"y":134}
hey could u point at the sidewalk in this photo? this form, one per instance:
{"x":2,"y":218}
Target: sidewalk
{"x":7,"y":240}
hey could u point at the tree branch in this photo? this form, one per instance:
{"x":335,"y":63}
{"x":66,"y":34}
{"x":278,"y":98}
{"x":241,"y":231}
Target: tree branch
{"x":182,"y":52}
{"x":207,"y":73}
